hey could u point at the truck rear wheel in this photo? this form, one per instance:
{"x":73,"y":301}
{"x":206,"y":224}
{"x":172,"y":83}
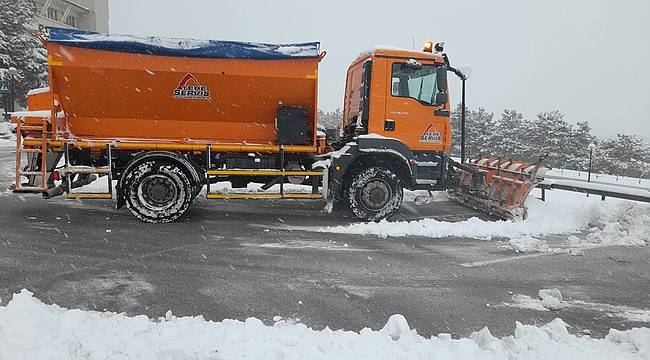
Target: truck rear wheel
{"x":158,"y":191}
{"x":375,"y":193}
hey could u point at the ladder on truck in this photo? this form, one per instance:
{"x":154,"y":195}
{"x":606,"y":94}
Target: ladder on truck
{"x":69,"y":170}
{"x":32,"y":171}
{"x":281,"y":173}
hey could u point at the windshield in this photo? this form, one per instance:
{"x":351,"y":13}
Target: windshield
{"x":414,"y":82}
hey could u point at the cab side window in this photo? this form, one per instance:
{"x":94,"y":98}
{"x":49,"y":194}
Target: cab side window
{"x":414,"y":81}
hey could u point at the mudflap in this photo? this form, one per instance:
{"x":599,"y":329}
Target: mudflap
{"x":121,"y":200}
{"x":496,"y":187}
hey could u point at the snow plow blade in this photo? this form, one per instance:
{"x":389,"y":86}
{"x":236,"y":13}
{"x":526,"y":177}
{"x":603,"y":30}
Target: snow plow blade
{"x":496,"y":187}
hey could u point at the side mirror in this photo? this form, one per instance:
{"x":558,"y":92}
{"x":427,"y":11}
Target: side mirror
{"x":441,"y":98}
{"x":441,"y":79}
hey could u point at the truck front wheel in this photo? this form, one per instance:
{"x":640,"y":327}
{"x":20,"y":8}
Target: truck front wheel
{"x":158,"y":191}
{"x":375,"y":193}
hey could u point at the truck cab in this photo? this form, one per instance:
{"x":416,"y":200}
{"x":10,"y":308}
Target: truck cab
{"x":396,"y":129}
{"x":396,"y":93}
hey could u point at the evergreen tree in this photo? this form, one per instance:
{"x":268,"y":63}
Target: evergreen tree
{"x":548,"y":136}
{"x":330,"y":120}
{"x":509,"y":135}
{"x":19,"y":48}
{"x":479,"y":132}
{"x":455,"y":131}
{"x":514,"y":137}
{"x":624,"y":155}
{"x":579,"y":146}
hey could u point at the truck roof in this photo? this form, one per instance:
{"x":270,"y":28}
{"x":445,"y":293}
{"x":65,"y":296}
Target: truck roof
{"x":392,"y":51}
{"x":152,"y":45}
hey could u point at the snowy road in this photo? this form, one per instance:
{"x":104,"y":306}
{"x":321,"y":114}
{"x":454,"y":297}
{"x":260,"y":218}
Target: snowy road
{"x":241,"y":259}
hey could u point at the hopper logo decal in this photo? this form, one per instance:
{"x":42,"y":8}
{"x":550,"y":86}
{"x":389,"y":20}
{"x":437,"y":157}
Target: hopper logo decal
{"x":190,"y":88}
{"x":430,"y":135}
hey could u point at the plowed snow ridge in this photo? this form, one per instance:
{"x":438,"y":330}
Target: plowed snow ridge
{"x":612,"y":222}
{"x":30,"y":329}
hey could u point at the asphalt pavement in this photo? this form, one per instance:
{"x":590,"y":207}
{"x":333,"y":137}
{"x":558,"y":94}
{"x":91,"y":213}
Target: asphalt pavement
{"x":240,"y":259}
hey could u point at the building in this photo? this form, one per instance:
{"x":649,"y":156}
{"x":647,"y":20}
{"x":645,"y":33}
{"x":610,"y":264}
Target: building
{"x":89,"y":15}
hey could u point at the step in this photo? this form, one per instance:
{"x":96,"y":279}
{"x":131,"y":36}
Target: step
{"x":264,"y":172}
{"x":242,"y":196}
{"x":28,"y":189}
{"x":86,"y":170}
{"x":31,"y":128}
{"x":31,"y":173}
{"x":426,"y":182}
{"x":30,"y":150}
{"x":427,"y":163}
{"x":89,"y":196}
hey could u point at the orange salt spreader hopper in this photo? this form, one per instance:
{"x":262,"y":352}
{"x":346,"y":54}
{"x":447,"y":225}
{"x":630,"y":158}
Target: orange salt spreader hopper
{"x":227,"y":93}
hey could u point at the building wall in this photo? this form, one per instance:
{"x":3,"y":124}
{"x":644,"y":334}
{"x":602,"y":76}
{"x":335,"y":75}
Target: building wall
{"x":89,"y":15}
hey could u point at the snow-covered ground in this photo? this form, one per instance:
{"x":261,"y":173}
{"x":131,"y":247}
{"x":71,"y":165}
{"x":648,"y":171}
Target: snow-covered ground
{"x":599,"y":178}
{"x":551,"y":299}
{"x":30,"y":329}
{"x":586,"y":221}
{"x":7,"y":137}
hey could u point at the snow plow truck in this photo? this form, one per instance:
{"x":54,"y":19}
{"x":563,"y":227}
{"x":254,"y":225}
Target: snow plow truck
{"x":166,"y":118}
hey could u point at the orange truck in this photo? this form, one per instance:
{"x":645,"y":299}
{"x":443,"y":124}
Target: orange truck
{"x":166,"y":118}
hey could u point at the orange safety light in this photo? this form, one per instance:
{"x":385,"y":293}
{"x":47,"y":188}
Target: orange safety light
{"x":428,"y":46}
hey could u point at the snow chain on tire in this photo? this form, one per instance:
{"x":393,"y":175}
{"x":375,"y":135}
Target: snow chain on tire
{"x":375,"y":194}
{"x":158,"y":191}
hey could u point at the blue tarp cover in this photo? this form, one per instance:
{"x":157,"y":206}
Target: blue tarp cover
{"x":182,"y":47}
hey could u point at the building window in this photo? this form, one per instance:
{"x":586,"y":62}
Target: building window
{"x":71,"y":21}
{"x":53,"y":14}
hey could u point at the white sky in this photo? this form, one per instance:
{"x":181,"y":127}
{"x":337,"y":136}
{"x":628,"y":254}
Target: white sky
{"x":588,"y":59}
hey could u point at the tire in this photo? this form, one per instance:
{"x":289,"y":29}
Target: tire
{"x":375,"y":194}
{"x":158,"y":191}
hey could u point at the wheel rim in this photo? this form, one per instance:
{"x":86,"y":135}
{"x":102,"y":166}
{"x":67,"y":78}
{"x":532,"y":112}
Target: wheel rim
{"x":157,"y":192}
{"x":376,"y":194}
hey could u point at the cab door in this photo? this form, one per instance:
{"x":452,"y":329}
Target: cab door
{"x":410,"y":106}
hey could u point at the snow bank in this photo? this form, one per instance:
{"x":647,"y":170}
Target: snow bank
{"x":6,"y":134}
{"x":613,"y":222}
{"x":30,"y":329}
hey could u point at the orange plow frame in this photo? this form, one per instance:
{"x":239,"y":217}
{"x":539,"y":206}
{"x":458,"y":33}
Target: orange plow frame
{"x":498,"y":187}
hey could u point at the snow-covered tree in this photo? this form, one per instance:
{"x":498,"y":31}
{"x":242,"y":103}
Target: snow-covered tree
{"x":331,"y":119}
{"x":19,"y":48}
{"x":513,"y":136}
{"x":579,"y":146}
{"x":548,"y":136}
{"x":623,"y":155}
{"x":479,"y":131}
{"x":509,"y":134}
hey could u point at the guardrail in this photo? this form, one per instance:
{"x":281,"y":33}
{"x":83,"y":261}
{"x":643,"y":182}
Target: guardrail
{"x":603,"y":190}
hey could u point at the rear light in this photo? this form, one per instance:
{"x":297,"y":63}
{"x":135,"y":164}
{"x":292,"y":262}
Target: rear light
{"x":56,"y":175}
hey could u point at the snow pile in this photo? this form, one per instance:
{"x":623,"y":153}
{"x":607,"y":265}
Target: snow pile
{"x":30,"y":329}
{"x":629,"y":226}
{"x":551,"y":299}
{"x":613,"y":222}
{"x":6,"y":132}
{"x":528,"y":244}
